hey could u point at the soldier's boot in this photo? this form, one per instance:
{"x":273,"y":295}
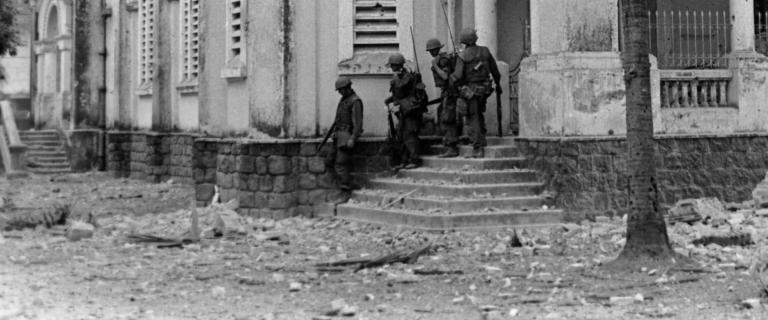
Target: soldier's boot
{"x":477,"y":153}
{"x":411,"y":165}
{"x":450,"y":152}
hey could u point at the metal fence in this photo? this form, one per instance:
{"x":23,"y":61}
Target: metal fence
{"x":690,"y":39}
{"x":761,"y":32}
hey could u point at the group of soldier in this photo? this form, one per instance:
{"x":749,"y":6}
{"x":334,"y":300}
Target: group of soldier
{"x":465,"y":82}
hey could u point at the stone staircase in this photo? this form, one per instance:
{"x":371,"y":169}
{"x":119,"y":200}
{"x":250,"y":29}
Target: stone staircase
{"x":46,"y":152}
{"x":457,"y":193}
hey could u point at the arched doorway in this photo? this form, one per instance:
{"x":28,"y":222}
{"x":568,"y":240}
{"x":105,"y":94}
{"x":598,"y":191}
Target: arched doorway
{"x":53,"y":56}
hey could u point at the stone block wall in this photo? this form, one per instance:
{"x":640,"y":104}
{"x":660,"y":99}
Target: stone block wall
{"x":588,"y":175}
{"x":151,"y":157}
{"x":275,"y":179}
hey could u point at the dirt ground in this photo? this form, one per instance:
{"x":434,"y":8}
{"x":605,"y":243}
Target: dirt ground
{"x":269,"y":269}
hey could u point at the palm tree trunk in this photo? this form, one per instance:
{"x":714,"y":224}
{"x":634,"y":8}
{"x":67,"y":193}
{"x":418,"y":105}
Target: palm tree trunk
{"x":646,"y":229}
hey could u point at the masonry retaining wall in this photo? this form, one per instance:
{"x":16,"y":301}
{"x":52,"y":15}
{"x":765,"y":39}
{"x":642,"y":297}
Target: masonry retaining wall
{"x":589,"y":177}
{"x":276,"y":179}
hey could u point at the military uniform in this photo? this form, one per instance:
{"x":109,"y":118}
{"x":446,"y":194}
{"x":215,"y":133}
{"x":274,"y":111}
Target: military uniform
{"x":348,"y":125}
{"x":403,"y":89}
{"x":442,"y":66}
{"x":473,"y":71}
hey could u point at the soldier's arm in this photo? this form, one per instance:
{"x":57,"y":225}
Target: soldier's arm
{"x":458,"y":71}
{"x":437,"y":70}
{"x":357,"y":119}
{"x":494,"y":68}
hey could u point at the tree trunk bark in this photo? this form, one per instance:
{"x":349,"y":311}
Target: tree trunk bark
{"x":646,"y":230}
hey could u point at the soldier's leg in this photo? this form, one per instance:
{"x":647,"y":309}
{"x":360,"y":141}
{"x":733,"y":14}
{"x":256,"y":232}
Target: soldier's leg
{"x":476,"y":123}
{"x":343,"y":167}
{"x":411,"y":140}
{"x":450,"y":123}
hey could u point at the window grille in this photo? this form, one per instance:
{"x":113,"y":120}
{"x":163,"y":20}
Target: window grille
{"x":376,"y":26}
{"x":190,"y":39}
{"x":146,"y":41}
{"x":236,"y":25}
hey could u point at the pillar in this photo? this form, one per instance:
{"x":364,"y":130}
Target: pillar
{"x":486,"y":24}
{"x":487,"y":34}
{"x":65,"y":71}
{"x":743,"y":21}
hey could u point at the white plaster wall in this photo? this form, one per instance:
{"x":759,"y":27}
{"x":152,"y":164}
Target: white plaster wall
{"x":113,"y":64}
{"x":213,"y":89}
{"x":188,"y":112}
{"x":563,"y":25}
{"x":144,"y":112}
{"x":265,"y":66}
{"x":572,"y":94}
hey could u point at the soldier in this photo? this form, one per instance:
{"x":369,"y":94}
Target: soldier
{"x":406,"y":106}
{"x":442,"y":67}
{"x":347,"y":128}
{"x":473,"y":71}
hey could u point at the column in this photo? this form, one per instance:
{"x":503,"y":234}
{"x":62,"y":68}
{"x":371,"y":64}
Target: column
{"x":486,"y":24}
{"x":487,"y":34}
{"x":65,"y":71}
{"x":743,"y":21}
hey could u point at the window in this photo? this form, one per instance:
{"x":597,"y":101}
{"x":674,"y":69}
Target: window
{"x":236,"y":28}
{"x":370,"y":31}
{"x":146,"y":42}
{"x":375,"y":27}
{"x":190,"y":26}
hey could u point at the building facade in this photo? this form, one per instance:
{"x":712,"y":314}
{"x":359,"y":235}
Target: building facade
{"x":165,"y":88}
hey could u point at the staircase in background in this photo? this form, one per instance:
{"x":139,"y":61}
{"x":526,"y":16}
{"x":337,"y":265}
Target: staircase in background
{"x":457,"y":193}
{"x":46,"y":152}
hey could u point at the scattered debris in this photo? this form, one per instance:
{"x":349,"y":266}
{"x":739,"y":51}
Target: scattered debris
{"x":741,"y":240}
{"x":400,"y":256}
{"x":78,"y":230}
{"x":710,"y":210}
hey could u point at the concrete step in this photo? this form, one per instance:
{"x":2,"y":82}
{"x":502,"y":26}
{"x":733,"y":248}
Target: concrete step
{"x":447,"y":204}
{"x":52,"y":165}
{"x":503,"y":151}
{"x":47,"y":154}
{"x":477,"y":177}
{"x":474,"y":164}
{"x":50,"y":170}
{"x":45,"y":160}
{"x":38,"y":134}
{"x":427,"y":221}
{"x":45,"y":143}
{"x":503,"y":141}
{"x":475,"y":191}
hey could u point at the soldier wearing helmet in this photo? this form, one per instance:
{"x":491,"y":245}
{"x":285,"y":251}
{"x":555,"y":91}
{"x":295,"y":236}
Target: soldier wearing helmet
{"x":473,"y":72}
{"x":347,"y":128}
{"x":442,"y":67}
{"x":409,"y":110}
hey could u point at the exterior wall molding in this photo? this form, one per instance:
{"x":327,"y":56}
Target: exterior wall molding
{"x":371,"y":63}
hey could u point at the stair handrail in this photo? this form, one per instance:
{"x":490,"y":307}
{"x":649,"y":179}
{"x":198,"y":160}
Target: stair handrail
{"x":17,"y":162}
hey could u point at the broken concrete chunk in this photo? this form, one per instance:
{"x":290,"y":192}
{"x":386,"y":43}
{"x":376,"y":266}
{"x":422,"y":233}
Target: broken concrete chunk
{"x":760,"y":194}
{"x":692,"y":210}
{"x":742,"y":239}
{"x":79,"y":230}
{"x":751,"y":303}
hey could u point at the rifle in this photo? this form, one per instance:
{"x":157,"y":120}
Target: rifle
{"x":450,"y":31}
{"x":498,"y":111}
{"x":415,"y":54}
{"x":327,"y":136}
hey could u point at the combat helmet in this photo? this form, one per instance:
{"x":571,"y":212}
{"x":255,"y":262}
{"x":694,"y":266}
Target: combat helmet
{"x":343,"y":82}
{"x":468,"y":36}
{"x":433,"y":44}
{"x":396,"y":58}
